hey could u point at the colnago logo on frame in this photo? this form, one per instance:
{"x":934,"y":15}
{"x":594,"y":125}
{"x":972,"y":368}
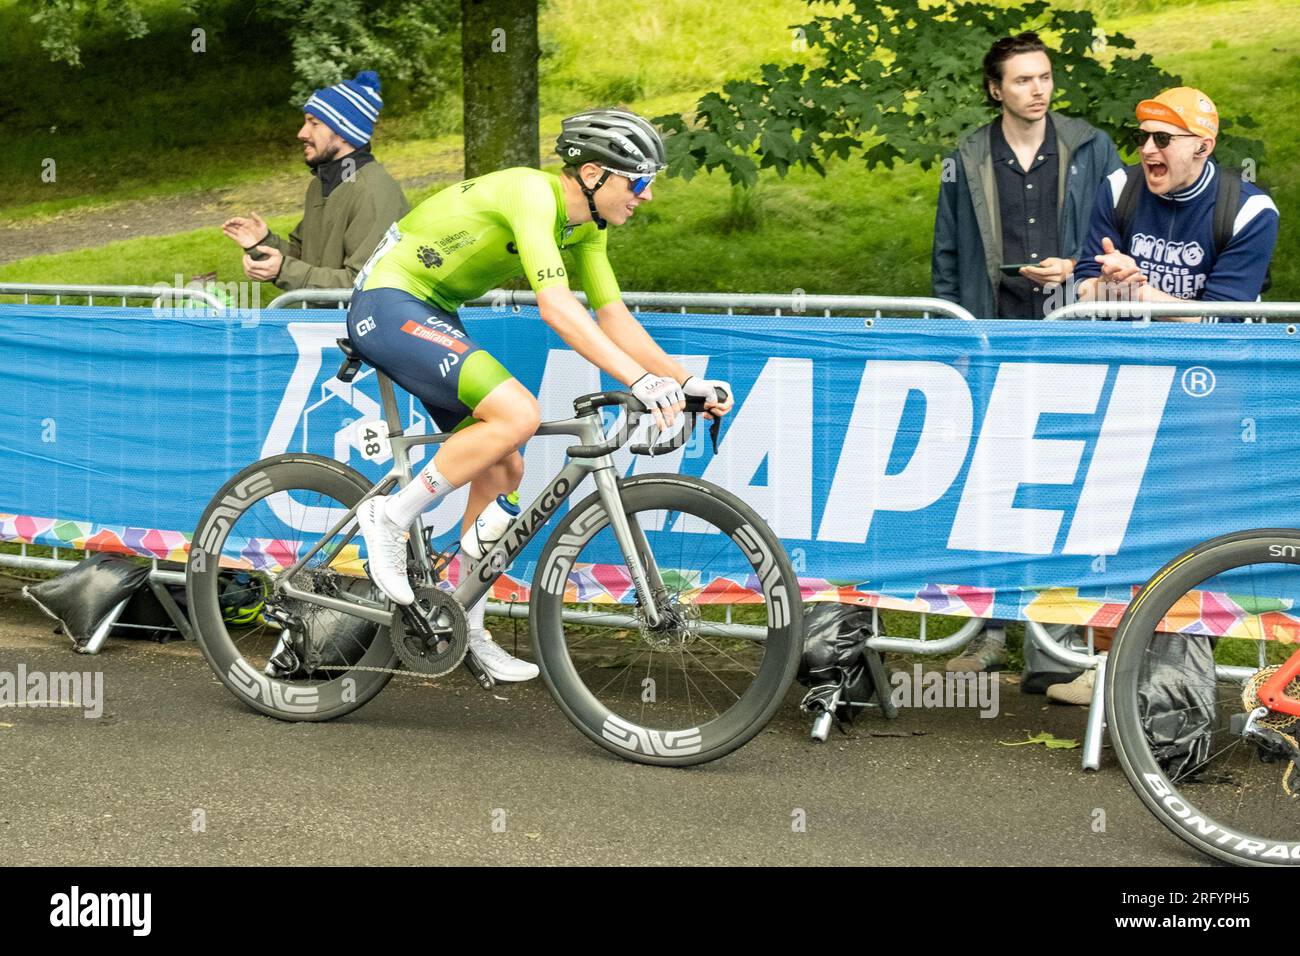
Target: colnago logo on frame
{"x":82,"y":909}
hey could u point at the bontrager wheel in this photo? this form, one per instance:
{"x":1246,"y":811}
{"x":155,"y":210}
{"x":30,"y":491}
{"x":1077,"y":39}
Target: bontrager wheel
{"x":1178,"y":697}
{"x":687,"y":692}
{"x":284,"y":657}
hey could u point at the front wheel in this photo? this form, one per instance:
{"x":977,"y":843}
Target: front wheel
{"x":704,"y":681}
{"x":1183,"y":697}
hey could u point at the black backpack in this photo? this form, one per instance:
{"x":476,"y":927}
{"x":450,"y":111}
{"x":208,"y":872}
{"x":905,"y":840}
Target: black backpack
{"x":1225,"y":211}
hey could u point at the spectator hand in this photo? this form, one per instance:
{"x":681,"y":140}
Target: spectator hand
{"x":1118,"y":268}
{"x":247,"y":232}
{"x":1049,"y":272}
{"x":263,"y":270}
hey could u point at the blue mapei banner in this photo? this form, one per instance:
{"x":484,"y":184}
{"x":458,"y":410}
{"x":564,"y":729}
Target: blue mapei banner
{"x":992,"y":468}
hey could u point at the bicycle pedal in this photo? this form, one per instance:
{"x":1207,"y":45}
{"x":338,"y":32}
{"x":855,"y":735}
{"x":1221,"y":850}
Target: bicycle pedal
{"x":483,"y":677}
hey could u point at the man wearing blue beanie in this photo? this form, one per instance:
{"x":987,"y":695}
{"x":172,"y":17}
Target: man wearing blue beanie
{"x":351,"y":200}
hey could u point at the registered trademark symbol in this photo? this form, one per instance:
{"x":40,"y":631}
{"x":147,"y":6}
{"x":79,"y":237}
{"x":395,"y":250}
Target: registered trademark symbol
{"x":1198,"y":381}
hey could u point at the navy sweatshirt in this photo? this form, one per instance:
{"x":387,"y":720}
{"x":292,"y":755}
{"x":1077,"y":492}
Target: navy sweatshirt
{"x":1172,"y":239}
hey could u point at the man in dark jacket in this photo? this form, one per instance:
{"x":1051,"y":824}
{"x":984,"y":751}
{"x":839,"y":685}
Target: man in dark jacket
{"x":1018,"y":190}
{"x":351,"y":200}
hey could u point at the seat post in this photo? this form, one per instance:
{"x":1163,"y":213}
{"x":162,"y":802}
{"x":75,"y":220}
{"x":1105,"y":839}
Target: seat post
{"x":389,"y":399}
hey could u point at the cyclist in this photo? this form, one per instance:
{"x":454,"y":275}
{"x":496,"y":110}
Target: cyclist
{"x":455,"y":246}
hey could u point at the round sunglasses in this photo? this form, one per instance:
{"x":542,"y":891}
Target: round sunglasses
{"x":1163,"y":139}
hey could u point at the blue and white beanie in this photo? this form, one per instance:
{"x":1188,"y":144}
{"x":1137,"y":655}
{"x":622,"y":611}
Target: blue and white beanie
{"x":349,"y":108}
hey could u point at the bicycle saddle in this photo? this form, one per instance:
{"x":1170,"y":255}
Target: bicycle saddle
{"x":351,"y":361}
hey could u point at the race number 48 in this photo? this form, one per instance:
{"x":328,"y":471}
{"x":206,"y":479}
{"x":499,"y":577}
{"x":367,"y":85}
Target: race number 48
{"x":372,"y":440}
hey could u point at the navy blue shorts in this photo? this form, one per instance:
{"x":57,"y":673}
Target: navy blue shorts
{"x":425,"y":350}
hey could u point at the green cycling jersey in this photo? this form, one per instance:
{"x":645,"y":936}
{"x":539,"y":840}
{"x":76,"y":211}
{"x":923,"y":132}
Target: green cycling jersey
{"x":470,"y":237}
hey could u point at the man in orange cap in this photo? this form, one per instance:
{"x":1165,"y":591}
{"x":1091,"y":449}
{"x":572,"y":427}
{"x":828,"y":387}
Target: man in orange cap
{"x":1176,"y":226}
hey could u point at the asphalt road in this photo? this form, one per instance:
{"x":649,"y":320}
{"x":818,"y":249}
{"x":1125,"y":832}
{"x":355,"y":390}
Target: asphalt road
{"x":451,"y":774}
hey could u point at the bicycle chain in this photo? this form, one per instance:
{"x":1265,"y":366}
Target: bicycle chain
{"x":377,"y":670}
{"x":1279,"y":723}
{"x":1250,"y":698}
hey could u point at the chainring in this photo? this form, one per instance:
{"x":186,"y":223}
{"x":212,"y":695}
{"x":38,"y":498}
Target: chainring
{"x":437,"y":648}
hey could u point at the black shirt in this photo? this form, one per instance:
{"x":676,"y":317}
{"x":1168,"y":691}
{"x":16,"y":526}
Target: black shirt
{"x":1027,"y":202}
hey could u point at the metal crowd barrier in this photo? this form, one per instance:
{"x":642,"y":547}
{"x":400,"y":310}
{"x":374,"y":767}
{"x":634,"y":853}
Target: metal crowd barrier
{"x":1143,"y":312}
{"x":120,"y":292}
{"x":796,"y":303}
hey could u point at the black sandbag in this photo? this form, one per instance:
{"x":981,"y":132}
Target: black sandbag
{"x":1176,"y":700}
{"x":835,"y":658}
{"x":80,"y":598}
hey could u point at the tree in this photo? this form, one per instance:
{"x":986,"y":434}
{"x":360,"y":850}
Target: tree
{"x":499,"y":54}
{"x":410,"y":43}
{"x":61,"y":23}
{"x":903,"y":82}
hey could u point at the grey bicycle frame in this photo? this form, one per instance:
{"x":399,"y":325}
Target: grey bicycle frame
{"x":587,"y":428}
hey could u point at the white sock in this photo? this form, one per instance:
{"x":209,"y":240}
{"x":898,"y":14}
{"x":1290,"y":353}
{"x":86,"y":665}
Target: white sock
{"x":402,"y":507}
{"x":475,"y":613}
{"x":997,"y":634}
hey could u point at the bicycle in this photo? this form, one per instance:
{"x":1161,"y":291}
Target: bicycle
{"x":667,"y":683}
{"x":1219,"y":767}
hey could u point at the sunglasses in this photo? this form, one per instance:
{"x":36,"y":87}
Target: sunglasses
{"x":638,"y":183}
{"x":1163,"y":139}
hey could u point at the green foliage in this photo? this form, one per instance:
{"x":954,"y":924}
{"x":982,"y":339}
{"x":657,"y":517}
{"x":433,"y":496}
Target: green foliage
{"x":744,"y":211}
{"x":903,"y":82}
{"x":61,"y":23}
{"x":412,"y":44}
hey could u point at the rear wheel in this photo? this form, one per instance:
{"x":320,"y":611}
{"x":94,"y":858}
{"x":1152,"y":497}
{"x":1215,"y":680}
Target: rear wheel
{"x":289,"y":658}
{"x":1182,"y":682}
{"x":693,"y":688}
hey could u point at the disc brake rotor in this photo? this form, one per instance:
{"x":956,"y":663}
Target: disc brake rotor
{"x":679,"y":625}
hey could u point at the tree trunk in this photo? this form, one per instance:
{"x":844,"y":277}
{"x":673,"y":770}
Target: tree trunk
{"x":499,"y":54}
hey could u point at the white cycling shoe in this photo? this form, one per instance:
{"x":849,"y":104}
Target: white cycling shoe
{"x":386,"y":552}
{"x":494,"y":659}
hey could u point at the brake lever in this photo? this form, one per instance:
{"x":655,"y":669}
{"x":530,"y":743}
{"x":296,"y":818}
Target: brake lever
{"x":716,"y":427}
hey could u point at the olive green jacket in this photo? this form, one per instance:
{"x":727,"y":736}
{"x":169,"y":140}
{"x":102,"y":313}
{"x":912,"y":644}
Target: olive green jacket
{"x":337,"y":234}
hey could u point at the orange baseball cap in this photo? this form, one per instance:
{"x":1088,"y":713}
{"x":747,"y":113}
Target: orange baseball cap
{"x":1183,"y":106}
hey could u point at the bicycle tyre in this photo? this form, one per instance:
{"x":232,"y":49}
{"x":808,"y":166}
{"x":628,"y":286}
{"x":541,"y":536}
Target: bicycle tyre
{"x":1163,"y":797}
{"x":283,"y":699}
{"x":772,"y":571}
